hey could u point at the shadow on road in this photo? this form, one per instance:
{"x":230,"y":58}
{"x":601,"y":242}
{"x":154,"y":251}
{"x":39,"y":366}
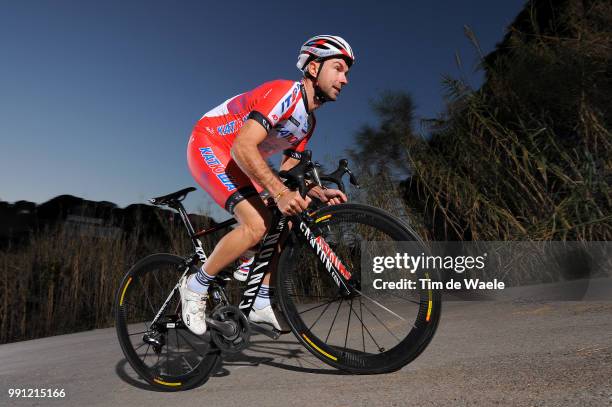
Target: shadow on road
{"x":286,"y":355}
{"x":120,"y":370}
{"x":274,"y":353}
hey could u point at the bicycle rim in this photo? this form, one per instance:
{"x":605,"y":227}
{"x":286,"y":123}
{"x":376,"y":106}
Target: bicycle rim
{"x":369,"y":333}
{"x":180,"y":359}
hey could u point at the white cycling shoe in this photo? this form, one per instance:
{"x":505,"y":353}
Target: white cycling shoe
{"x":193,"y":308}
{"x":269,"y":316}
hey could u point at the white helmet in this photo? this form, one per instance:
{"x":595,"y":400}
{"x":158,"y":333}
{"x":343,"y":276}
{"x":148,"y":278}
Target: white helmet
{"x":322,"y":47}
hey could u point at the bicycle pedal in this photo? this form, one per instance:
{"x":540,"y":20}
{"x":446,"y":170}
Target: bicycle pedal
{"x":271,"y":333}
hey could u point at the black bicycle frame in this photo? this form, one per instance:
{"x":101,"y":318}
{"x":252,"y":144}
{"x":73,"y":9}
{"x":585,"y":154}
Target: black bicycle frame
{"x":269,"y":251}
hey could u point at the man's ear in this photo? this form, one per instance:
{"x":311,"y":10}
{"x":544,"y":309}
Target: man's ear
{"x":313,"y":67}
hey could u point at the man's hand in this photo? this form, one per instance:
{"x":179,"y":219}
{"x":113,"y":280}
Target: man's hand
{"x":292,"y":203}
{"x":328,"y":196}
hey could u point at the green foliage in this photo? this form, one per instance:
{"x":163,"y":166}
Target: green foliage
{"x":529,"y":155}
{"x":377,"y":147}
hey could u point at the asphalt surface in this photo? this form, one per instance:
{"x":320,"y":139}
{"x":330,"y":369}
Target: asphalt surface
{"x":485,"y":353}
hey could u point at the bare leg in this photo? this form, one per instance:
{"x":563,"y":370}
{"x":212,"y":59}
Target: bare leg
{"x":253,"y":221}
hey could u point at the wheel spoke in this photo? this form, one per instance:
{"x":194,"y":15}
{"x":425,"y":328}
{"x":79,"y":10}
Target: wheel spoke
{"x":367,"y":330}
{"x":139,"y":346}
{"x":146,"y":353}
{"x":168,"y":359}
{"x":138,"y":307}
{"x":157,"y":363}
{"x":187,"y":363}
{"x":334,"y":320}
{"x":320,"y":315}
{"x":318,"y":306}
{"x":405,"y":299}
{"x":161,"y":289}
{"x":190,"y":344}
{"x":380,"y":305}
{"x":382,"y":323}
{"x":361,"y":319}
{"x":147,"y":296}
{"x":348,"y":323}
{"x":309,"y":296}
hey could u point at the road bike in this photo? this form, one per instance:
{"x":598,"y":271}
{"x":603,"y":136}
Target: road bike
{"x":320,"y":262}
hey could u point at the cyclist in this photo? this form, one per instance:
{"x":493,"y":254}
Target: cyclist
{"x":226,"y":155}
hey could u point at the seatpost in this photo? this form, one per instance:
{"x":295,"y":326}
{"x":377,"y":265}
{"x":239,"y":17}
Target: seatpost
{"x":185,"y":218}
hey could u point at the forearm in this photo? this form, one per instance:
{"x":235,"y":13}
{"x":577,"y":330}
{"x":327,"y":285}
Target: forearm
{"x":288,"y":163}
{"x":249,"y":159}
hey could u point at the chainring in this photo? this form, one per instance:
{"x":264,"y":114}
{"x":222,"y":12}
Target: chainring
{"x":238,"y":341}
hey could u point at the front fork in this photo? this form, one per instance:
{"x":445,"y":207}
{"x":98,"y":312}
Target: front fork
{"x":328,"y":258}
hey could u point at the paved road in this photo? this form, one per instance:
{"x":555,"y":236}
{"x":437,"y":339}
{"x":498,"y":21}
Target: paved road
{"x":510,"y":353}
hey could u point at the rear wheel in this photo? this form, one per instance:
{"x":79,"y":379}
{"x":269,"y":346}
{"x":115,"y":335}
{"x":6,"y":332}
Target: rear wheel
{"x":374,"y":331}
{"x":167,"y":355}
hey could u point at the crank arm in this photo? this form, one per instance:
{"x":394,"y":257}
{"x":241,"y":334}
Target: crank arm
{"x":228,"y":328}
{"x":270,"y":333}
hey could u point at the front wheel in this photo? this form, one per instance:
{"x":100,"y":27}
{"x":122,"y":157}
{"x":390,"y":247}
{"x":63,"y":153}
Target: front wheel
{"x":165,"y":354}
{"x":369,"y":331}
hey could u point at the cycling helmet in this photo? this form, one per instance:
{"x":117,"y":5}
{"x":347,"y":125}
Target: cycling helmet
{"x":322,"y":47}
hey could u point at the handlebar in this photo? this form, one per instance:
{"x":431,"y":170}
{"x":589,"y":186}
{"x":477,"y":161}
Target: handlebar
{"x":296,"y":177}
{"x":336,"y":176}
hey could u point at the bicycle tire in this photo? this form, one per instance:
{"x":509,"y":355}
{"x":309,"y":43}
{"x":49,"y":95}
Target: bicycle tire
{"x":289,"y":282}
{"x":132,"y":310}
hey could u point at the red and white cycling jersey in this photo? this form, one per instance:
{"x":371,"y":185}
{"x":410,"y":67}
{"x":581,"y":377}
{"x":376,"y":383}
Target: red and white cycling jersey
{"x":280,"y":106}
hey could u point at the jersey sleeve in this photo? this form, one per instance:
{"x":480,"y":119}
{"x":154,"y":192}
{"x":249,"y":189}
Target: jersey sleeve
{"x":274,"y":100}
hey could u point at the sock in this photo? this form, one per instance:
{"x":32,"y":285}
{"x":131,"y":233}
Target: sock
{"x":263,"y":297}
{"x":200,"y":281}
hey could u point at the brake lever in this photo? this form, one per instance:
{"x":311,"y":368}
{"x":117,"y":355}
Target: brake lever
{"x":353,"y":179}
{"x":295,"y":176}
{"x":336,"y":176}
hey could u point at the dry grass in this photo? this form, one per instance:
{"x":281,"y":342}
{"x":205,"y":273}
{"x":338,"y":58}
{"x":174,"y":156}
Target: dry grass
{"x":64,"y":282}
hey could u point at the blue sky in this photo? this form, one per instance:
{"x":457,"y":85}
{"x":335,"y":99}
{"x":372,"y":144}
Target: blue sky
{"x":97,"y":99}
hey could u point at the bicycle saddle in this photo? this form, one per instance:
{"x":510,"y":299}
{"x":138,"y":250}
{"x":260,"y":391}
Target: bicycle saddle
{"x":173,"y":197}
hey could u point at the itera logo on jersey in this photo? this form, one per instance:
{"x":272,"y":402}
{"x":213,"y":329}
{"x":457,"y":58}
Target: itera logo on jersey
{"x":294,"y":94}
{"x":290,"y":98}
